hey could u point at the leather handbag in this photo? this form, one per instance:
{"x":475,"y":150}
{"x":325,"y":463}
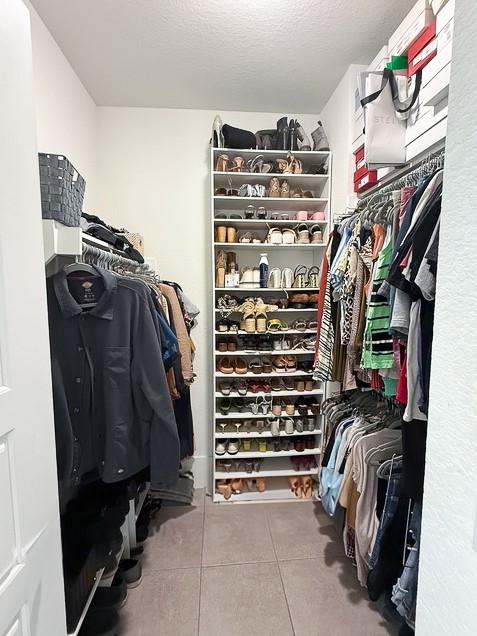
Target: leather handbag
{"x":238,"y":138}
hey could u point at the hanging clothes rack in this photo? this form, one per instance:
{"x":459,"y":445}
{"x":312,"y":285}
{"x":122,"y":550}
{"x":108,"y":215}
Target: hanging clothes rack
{"x":111,"y":260}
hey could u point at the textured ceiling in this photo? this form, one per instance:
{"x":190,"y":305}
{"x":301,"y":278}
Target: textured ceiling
{"x":250,"y":55}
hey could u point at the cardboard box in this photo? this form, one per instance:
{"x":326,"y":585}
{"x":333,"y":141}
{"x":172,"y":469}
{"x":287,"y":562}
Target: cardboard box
{"x":358,"y":143}
{"x":437,"y":89}
{"x":445,"y":15}
{"x":422,"y":58}
{"x":411,"y":28}
{"x":359,"y":154}
{"x":429,"y":140}
{"x":444,"y":54}
{"x":436,"y":5}
{"x":428,"y":117}
{"x":360,"y":172}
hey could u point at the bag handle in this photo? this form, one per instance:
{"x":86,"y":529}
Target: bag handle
{"x":388,"y":76}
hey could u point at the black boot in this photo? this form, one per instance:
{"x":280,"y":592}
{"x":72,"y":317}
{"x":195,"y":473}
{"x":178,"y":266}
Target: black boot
{"x":283,"y":134}
{"x":293,"y":137}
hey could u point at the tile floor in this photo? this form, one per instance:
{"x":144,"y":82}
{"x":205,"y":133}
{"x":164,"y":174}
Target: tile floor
{"x":247,"y":570}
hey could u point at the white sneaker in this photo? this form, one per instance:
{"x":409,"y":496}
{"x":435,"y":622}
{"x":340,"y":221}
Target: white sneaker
{"x":220,"y":448}
{"x":233,"y":447}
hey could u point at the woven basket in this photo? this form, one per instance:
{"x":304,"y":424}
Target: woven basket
{"x":62,"y":190}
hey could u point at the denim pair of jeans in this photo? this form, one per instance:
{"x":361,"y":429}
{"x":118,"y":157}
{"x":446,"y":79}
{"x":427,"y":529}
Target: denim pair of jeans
{"x":390,"y":506}
{"x":405,"y":590}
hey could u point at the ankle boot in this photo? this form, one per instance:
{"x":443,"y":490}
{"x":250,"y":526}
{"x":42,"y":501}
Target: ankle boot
{"x":320,"y":140}
{"x":283,"y":133}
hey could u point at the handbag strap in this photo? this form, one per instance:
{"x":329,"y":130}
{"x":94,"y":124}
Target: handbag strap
{"x":388,"y":76}
{"x":370,"y":98}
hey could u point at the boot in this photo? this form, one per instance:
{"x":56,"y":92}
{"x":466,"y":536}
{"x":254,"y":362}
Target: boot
{"x":283,"y":134}
{"x":303,"y":141}
{"x":293,"y":137}
{"x":320,"y":140}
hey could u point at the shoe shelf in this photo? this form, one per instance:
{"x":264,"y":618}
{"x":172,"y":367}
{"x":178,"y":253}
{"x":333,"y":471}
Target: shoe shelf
{"x":294,"y":332}
{"x":275,"y":465}
{"x":264,"y":454}
{"x":278,"y":311}
{"x":273,"y":374}
{"x":271,"y":203}
{"x":275,"y":352}
{"x":235,"y":415}
{"x":270,"y":467}
{"x":293,"y":290}
{"x":267,"y":246}
{"x":265,"y":223}
{"x":313,"y":155}
{"x":277,"y":489}
{"x":272,"y":394}
{"x":257,"y":435}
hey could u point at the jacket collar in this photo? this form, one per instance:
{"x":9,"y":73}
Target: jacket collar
{"x":68,"y":305}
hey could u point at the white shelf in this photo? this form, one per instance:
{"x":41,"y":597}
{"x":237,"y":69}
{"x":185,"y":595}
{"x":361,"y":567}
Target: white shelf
{"x":271,"y":154}
{"x":298,"y":290}
{"x":275,"y":311}
{"x":258,"y":454}
{"x":234,"y":394}
{"x":248,"y":352}
{"x":266,"y":223}
{"x":257,"y":435}
{"x":266,"y":176}
{"x":60,"y":240}
{"x":266,"y":246}
{"x":277,"y":489}
{"x":277,"y":467}
{"x":275,"y":374}
{"x":294,"y":332}
{"x":270,"y":203}
{"x":261,"y":416}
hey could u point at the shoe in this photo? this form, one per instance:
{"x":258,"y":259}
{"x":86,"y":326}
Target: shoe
{"x":316,"y":234}
{"x":233,"y":447}
{"x":293,"y":135}
{"x":217,"y":135}
{"x":303,"y":140}
{"x":238,"y":164}
{"x":320,"y":140}
{"x":274,"y":188}
{"x":131,"y":571}
{"x":303,"y":234}
{"x":220,"y":448}
{"x":284,"y":189}
{"x":111,"y":597}
{"x":222,"y":163}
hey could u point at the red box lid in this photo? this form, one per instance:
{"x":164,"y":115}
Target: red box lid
{"x":359,"y":154}
{"x":360,"y":173}
{"x":424,"y":56}
{"x":421,"y":41}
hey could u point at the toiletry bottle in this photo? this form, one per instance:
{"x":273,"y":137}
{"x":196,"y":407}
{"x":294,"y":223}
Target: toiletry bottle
{"x":263,"y":270}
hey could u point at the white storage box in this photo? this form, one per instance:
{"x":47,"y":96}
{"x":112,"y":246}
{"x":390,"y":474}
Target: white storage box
{"x":445,"y":16}
{"x":413,"y":25}
{"x":427,"y":118}
{"x":358,"y":126}
{"x":436,"y":5}
{"x":357,"y":143}
{"x":437,"y":89}
{"x":427,"y":141}
{"x":444,"y":54}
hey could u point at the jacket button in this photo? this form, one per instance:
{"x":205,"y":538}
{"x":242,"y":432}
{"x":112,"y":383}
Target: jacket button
{"x":120,"y":471}
{"x":78,"y":380}
{"x":76,"y":410}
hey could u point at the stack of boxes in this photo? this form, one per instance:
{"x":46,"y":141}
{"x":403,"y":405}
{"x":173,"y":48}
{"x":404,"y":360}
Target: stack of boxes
{"x":423,"y":41}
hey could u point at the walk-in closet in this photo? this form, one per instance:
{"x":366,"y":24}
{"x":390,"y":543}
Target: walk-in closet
{"x":237,"y":318}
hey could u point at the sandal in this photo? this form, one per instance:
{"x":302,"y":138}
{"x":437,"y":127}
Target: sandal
{"x":299,"y":280}
{"x":313,"y":277}
{"x":291,"y":363}
{"x":275,"y":236}
{"x":284,"y":190}
{"x":303,"y":234}
{"x":274,"y":276}
{"x":238,"y":164}
{"x":223,"y":488}
{"x":240,"y":366}
{"x":241,"y":387}
{"x":248,"y":310}
{"x":316,"y":234}
{"x":255,"y":366}
{"x":300,"y":325}
{"x":279,"y":363}
{"x":267,"y":366}
{"x":250,"y":212}
{"x":274,"y":325}
{"x":220,"y":268}
{"x":287,"y":278}
{"x":248,"y":237}
{"x":261,"y":213}
{"x":224,"y":387}
{"x":274,"y":188}
{"x":288,"y":236}
{"x":222,"y":163}
{"x":225,"y":365}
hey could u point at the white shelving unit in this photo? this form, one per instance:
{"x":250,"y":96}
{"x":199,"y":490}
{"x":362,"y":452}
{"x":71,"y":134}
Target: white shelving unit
{"x":276,"y":466}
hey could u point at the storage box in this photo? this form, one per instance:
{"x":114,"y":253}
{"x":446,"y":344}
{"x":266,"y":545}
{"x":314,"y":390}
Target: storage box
{"x":359,"y":154}
{"x":367,"y":181}
{"x":445,"y":15}
{"x":412,"y":27}
{"x":422,"y":41}
{"x":436,"y":5}
{"x":358,"y":143}
{"x":437,"y":89}
{"x":444,"y":54}
{"x":360,"y":171}
{"x":422,"y":58}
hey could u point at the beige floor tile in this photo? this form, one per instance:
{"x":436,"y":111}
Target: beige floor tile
{"x":302,"y":531}
{"x":243,"y":600}
{"x":236,"y":534}
{"x":327,"y":599}
{"x":165,"y":603}
{"x":175,"y":539}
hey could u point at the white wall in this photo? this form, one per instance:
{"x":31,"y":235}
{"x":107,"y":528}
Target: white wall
{"x":66,"y":114}
{"x":448,"y":571}
{"x":338,"y":117}
{"x":153,"y":171}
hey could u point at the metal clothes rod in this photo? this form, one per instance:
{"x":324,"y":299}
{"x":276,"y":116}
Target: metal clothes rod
{"x":414,"y":171}
{"x":110,"y":260}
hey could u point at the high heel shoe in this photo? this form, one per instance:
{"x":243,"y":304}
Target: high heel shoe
{"x":293,"y":135}
{"x":306,"y":486}
{"x":220,"y":268}
{"x":217,"y":135}
{"x":222,"y":163}
{"x":303,"y":140}
{"x":238,"y":164}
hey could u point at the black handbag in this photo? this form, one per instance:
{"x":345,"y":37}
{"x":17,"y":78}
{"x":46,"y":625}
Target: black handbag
{"x":238,"y":138}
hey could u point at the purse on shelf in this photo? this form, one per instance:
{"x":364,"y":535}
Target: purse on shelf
{"x":238,"y":138}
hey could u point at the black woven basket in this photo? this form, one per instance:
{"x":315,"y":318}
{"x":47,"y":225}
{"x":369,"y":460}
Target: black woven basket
{"x":62,"y":189}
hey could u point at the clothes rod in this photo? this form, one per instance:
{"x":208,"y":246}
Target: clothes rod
{"x":392,"y":180}
{"x":109,"y":258}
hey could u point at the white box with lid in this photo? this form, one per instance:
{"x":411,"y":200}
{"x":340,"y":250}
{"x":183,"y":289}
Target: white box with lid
{"x":413,"y":25}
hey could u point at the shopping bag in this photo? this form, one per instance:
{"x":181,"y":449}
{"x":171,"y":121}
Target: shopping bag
{"x":386,"y":104}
